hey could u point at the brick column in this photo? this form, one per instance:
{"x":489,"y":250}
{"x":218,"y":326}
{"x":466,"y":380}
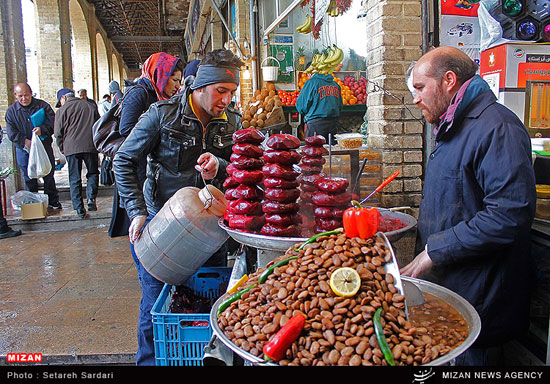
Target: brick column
{"x":242,"y":13}
{"x":12,"y":71}
{"x":53,"y":38}
{"x":394,"y":31}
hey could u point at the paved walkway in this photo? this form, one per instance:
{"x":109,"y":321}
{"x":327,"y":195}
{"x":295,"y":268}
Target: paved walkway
{"x":68,"y":294}
{"x":71,"y":294}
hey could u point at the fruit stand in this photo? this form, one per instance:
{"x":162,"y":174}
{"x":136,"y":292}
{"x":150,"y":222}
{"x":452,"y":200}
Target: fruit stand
{"x":309,"y":31}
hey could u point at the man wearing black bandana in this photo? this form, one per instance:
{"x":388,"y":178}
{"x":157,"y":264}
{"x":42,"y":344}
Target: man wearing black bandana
{"x":183,"y":137}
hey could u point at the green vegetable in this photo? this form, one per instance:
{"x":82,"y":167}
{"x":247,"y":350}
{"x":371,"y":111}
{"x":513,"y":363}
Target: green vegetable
{"x":382,"y":342}
{"x":269,"y":271}
{"x":234,"y":297}
{"x":315,"y":237}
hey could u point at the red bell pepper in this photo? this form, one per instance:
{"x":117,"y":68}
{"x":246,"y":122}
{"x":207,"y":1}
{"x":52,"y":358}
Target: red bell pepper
{"x":276,"y":347}
{"x":360,"y":222}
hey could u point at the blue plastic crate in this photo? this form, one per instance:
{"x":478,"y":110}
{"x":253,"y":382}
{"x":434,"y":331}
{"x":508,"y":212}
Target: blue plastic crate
{"x":176,"y":342}
{"x":209,"y":282}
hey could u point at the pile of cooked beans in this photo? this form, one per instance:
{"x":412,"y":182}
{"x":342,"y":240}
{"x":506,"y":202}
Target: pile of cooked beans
{"x":338,"y":330}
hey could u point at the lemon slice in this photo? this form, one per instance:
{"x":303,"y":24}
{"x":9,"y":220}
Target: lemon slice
{"x":345,"y":282}
{"x":240,"y":282}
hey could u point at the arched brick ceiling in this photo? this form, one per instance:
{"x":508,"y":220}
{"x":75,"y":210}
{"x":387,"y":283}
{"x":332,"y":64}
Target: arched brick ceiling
{"x":139,"y":28}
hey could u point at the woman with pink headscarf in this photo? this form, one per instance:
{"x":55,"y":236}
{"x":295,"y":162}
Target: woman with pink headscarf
{"x":160,"y":79}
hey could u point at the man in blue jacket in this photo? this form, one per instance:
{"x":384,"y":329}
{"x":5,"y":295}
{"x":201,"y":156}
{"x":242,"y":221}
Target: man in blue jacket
{"x":320,"y":101}
{"x":478,"y":200}
{"x":20,"y":130}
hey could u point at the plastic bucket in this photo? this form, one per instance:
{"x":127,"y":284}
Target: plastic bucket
{"x":270,"y":73}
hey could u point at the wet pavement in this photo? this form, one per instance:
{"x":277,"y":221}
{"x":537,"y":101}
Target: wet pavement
{"x":68,"y":290}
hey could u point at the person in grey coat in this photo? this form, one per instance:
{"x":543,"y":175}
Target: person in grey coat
{"x":73,"y":132}
{"x":478,"y":200}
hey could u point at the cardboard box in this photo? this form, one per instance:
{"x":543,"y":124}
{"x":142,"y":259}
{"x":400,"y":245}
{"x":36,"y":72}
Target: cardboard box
{"x":277,"y":116}
{"x":33,"y":211}
{"x":509,"y":68}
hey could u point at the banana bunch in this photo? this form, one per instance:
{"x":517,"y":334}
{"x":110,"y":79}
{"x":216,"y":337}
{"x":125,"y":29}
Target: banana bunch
{"x":326,"y":62}
{"x":306,"y":27}
{"x":333,"y":10}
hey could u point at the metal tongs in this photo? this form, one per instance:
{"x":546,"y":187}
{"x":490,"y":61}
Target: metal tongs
{"x":210,"y":199}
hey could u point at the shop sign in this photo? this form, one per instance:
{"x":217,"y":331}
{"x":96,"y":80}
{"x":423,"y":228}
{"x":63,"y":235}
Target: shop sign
{"x":538,"y":58}
{"x":532,"y":71}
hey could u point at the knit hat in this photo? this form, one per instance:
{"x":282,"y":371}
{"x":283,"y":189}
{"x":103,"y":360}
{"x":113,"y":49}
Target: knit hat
{"x":114,"y":86}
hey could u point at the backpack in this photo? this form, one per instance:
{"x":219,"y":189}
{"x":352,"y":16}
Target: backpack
{"x":106,"y":136}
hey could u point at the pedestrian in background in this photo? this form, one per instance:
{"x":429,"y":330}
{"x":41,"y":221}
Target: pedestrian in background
{"x":83,"y":94}
{"x":320,"y":101}
{"x":116,"y":94}
{"x":73,"y":133}
{"x":160,"y":79}
{"x":20,"y":130}
{"x":104,"y":105}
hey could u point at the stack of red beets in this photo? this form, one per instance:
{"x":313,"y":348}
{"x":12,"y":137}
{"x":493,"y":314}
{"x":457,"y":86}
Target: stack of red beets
{"x":244,"y":210}
{"x":330,"y":202}
{"x":281,"y":186}
{"x":312,"y":167}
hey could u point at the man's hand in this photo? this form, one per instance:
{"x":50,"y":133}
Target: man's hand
{"x":37,"y":130}
{"x":28,"y":144}
{"x":208,"y":165}
{"x":134,"y":231}
{"x":421,"y":263}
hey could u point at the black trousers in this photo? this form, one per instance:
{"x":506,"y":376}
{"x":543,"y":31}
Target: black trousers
{"x":323,"y":127}
{"x":74,"y":163}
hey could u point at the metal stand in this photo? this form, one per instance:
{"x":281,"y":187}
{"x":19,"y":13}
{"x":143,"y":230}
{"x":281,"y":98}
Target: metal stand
{"x":265,"y":256}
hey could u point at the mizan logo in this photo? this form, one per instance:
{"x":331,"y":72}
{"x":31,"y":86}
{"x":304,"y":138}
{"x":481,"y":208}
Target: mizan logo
{"x":423,"y":376}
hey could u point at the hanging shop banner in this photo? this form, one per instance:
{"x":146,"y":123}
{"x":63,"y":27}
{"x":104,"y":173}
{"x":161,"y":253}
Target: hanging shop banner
{"x":459,"y":7}
{"x":233,"y":21}
{"x":195,"y":16}
{"x":321,"y":7}
{"x":462,"y":32}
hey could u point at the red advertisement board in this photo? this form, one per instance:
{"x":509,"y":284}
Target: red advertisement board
{"x":459,"y":7}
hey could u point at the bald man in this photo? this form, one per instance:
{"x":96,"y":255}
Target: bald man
{"x":20,"y":130}
{"x":478,"y":200}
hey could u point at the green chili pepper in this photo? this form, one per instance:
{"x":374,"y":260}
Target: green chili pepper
{"x":269,"y":271}
{"x":382,"y":342}
{"x":315,"y":237}
{"x":234,"y":297}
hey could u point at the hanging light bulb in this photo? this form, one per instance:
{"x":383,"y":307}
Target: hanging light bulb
{"x":527,"y":30}
{"x":512,"y":7}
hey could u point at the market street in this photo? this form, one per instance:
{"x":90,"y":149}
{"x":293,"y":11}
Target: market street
{"x":72,"y":295}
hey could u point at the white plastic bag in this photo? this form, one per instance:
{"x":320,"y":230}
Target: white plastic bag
{"x":39,"y":162}
{"x":491,"y":30}
{"x":25,"y":197}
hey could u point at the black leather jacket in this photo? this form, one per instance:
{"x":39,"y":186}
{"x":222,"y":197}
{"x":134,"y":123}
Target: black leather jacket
{"x":172,"y":138}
